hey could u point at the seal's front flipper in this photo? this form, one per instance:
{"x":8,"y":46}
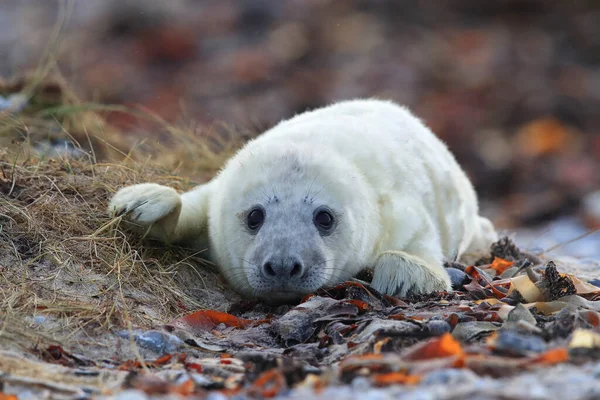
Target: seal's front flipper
{"x":149,"y":209}
{"x":398,"y":274}
{"x":159,"y":212}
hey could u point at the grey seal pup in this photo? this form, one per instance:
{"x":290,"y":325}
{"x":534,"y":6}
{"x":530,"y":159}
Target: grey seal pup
{"x":318,"y":197}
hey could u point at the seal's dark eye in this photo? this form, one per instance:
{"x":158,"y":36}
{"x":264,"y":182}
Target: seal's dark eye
{"x":255,"y":219}
{"x":323,"y":220}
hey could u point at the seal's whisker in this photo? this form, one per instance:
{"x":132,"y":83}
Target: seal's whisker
{"x":312,"y":199}
{"x":307,"y":195}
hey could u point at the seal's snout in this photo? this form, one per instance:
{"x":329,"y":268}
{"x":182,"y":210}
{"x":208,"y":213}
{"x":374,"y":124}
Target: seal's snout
{"x":286,"y":253}
{"x":282,"y":269}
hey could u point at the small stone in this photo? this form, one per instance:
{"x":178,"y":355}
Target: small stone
{"x":514,"y":343}
{"x":457,"y":278}
{"x":39,"y":319}
{"x":438,"y":328}
{"x":160,"y":342}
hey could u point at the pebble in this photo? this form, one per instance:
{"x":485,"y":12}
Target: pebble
{"x":457,"y":277}
{"x":511,"y":342}
{"x":39,"y":319}
{"x":160,"y":342}
{"x":438,"y":328}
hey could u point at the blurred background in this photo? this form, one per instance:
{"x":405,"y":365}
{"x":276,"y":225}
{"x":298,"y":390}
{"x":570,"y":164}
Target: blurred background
{"x":513,"y":87}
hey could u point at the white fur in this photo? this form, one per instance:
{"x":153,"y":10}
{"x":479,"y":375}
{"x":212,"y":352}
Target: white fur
{"x":403,"y":202}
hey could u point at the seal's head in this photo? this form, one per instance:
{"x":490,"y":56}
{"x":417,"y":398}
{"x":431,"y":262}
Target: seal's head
{"x":286,"y":221}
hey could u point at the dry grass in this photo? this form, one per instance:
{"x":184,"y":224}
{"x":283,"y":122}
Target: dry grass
{"x":62,"y":259}
{"x":61,"y":256}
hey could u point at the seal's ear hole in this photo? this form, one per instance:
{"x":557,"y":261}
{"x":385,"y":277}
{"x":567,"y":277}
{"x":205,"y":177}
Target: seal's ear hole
{"x":324,"y":220}
{"x":255,"y":219}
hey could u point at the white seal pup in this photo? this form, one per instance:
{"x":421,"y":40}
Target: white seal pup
{"x":320,"y":196}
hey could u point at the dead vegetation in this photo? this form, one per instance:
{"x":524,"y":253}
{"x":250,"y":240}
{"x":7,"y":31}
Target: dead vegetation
{"x":61,"y":258}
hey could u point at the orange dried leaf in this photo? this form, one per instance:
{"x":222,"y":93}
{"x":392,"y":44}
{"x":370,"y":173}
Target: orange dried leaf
{"x":472,"y":272}
{"x":361,"y":305}
{"x":500,"y":265}
{"x":8,"y":397}
{"x":398,"y":317}
{"x":268,"y":384}
{"x":379,"y":345}
{"x":498,"y":293}
{"x":453,"y":319}
{"x":184,"y":389}
{"x":544,"y":136}
{"x":217,"y":317}
{"x":194,"y":367}
{"x":129,"y":365}
{"x":590,"y":316}
{"x":492,"y":285}
{"x":206,"y":320}
{"x":355,"y":361}
{"x":478,"y":278}
{"x":163,"y":360}
{"x":307,"y":298}
{"x":135,"y":364}
{"x":395,"y":301}
{"x":395,"y":378}
{"x":554,"y":356}
{"x":364,"y":357}
{"x":459,"y":361}
{"x":444,"y":346}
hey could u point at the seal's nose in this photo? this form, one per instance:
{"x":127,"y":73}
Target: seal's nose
{"x":289,"y":267}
